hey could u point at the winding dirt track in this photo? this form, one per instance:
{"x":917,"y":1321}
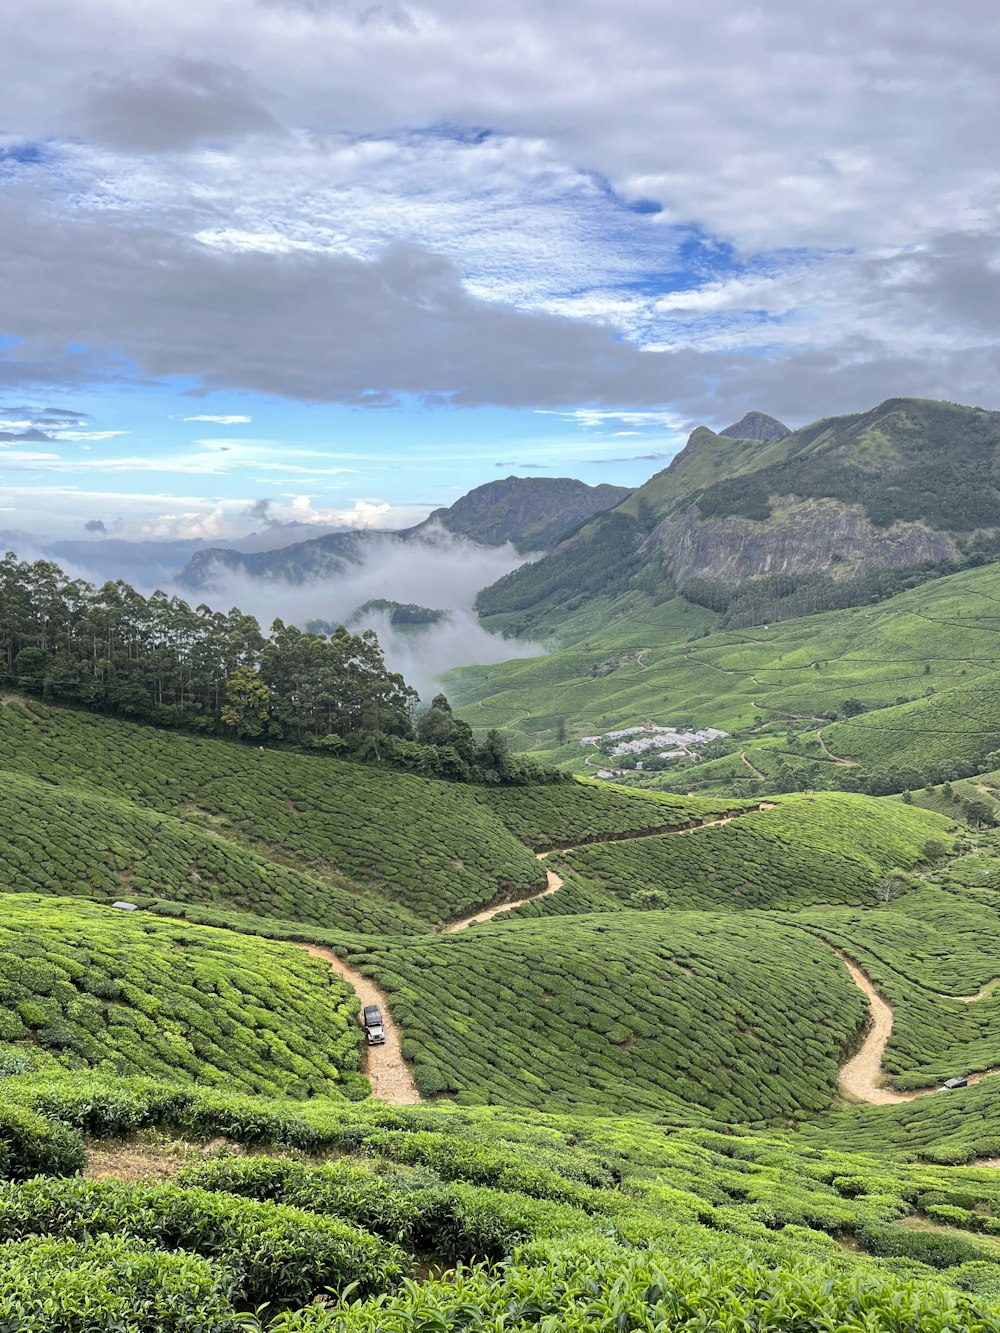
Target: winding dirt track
{"x":861,"y":1076}
{"x":388,"y":1073}
{"x":836,"y":758}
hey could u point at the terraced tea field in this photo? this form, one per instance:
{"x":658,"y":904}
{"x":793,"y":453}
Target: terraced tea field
{"x":87,"y":986}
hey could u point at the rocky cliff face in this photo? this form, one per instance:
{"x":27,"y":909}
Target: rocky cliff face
{"x":802,"y":536}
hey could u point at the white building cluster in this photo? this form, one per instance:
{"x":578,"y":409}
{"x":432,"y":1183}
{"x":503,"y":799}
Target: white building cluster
{"x":668,"y":742}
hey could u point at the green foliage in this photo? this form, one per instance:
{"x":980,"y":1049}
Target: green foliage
{"x":31,"y":1145}
{"x":105,"y":847}
{"x":951,"y":487}
{"x":99,"y":1283}
{"x":430,"y":846}
{"x":691,"y":1014}
{"x":89,"y":985}
{"x":277,"y":1254}
{"x":591,"y":812}
{"x":828,"y":848}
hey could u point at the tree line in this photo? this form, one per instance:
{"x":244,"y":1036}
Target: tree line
{"x":157,"y":659}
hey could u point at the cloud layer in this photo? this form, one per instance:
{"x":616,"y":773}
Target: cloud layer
{"x":678,"y":209}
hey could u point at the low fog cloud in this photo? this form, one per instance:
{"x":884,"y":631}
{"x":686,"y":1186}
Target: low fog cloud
{"x":438,"y":570}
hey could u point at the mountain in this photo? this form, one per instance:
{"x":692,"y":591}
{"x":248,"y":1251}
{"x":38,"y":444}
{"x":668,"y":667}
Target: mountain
{"x":910,"y":483}
{"x":532,"y":513}
{"x":320,"y":557}
{"x":757,"y":426}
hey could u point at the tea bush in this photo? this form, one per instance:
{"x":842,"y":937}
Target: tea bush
{"x":453,"y":1223}
{"x":87,"y":984}
{"x":430,"y":845}
{"x":105,"y":847}
{"x":688,"y":1013}
{"x":111,"y":1282}
{"x":579,"y":812}
{"x":279,"y":1254}
{"x":611,"y":1290}
{"x":31,"y":1145}
{"x":827,"y":848}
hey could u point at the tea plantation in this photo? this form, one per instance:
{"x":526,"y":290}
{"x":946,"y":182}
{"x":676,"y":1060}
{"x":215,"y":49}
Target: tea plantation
{"x":429,"y":845}
{"x":936,"y":947}
{"x":513,"y":1221}
{"x":631,"y":1116}
{"x":547,"y":817}
{"x":105,"y":847}
{"x":91,"y":986}
{"x":692,"y":1015}
{"x":828,"y":848}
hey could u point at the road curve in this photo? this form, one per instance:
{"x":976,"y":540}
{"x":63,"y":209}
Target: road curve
{"x":388,"y":1073}
{"x":862,"y":1076}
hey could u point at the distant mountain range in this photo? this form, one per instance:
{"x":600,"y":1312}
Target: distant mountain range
{"x":533,"y":513}
{"x":910,"y":484}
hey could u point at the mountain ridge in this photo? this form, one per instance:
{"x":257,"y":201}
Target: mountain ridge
{"x":908,"y":483}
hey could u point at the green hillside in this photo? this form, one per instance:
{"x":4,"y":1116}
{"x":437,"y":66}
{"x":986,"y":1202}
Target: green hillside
{"x":809,"y":849}
{"x":922,"y":663}
{"x":910,"y":483}
{"x":430,"y":846}
{"x":599,"y":1222}
{"x":91,"y":986}
{"x":633,"y":1113}
{"x":688,"y":1015}
{"x":105,"y":847}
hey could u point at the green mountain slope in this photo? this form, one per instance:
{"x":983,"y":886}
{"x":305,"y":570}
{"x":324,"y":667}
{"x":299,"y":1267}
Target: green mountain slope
{"x":533,"y":513}
{"x":923,"y":665}
{"x":910,"y":483}
{"x":430,"y":846}
{"x":685,"y":1015}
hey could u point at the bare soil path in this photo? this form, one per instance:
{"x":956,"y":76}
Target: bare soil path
{"x":388,"y":1073}
{"x":752,"y":767}
{"x":836,"y":758}
{"x":862,"y":1076}
{"x":554,"y":883}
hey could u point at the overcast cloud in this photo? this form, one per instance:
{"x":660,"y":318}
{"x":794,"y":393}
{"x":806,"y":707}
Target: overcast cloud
{"x":674,"y":210}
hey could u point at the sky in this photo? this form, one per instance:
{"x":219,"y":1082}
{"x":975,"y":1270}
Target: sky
{"x":318,"y":261}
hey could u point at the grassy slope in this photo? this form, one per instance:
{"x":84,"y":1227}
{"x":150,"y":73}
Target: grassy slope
{"x":933,"y":946}
{"x":829,"y":848}
{"x":105,"y":847}
{"x":89,"y":984}
{"x":431,"y":846}
{"x":643,"y":667}
{"x":683,"y":1013}
{"x":626,"y":1225}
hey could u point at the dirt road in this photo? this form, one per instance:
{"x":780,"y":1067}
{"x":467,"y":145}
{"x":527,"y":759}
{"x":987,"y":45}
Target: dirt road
{"x":388,"y":1073}
{"x":862,"y":1076}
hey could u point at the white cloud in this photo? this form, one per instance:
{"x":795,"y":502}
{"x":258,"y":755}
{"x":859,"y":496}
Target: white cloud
{"x":222,"y":420}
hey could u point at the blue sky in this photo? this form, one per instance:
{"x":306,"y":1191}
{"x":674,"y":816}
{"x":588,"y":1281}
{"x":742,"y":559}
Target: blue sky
{"x":353,"y":259}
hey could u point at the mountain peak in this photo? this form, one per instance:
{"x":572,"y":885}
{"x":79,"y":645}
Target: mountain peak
{"x":757,"y":426}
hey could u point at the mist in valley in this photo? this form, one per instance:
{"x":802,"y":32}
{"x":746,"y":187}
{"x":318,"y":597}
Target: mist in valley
{"x":438,"y":570}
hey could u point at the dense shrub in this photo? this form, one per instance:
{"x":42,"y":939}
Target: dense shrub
{"x":692,"y":1015}
{"x":278,"y":1254}
{"x":88,"y":985}
{"x":95,"y":1284}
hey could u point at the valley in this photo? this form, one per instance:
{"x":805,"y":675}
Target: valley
{"x":653,"y":1041}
